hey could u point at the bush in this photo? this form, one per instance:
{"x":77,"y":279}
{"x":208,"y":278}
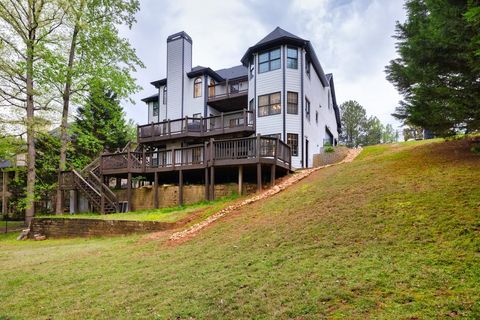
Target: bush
{"x":327,"y":148}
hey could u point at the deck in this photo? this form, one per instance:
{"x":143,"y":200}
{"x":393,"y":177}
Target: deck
{"x":215,"y":153}
{"x":237,"y":122}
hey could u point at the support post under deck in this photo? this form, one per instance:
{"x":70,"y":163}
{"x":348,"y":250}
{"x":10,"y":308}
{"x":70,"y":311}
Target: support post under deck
{"x":155,"y":190}
{"x":240,"y":180}
{"x":180,"y":187}
{"x":129,"y":191}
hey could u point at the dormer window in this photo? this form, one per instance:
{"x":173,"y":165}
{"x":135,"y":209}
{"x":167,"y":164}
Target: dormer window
{"x":269,"y":60}
{"x":197,"y":87}
{"x":165,"y":95}
{"x":155,"y":108}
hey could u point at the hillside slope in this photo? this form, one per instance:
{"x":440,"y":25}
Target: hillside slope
{"x":394,"y":235}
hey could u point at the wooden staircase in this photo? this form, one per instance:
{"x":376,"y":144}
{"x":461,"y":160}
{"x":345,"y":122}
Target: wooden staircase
{"x":88,"y":183}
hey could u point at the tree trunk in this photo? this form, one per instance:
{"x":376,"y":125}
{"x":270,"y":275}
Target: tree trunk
{"x":30,"y":122}
{"x":63,"y":127}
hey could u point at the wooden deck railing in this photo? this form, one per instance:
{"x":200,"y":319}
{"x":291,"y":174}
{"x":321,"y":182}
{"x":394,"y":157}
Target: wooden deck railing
{"x":230,"y":151}
{"x":209,"y":126}
{"x":226,"y":90}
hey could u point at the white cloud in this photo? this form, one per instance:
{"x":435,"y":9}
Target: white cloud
{"x":352,"y":39}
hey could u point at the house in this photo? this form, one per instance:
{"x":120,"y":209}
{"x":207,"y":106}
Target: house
{"x":280,"y":81}
{"x":254,"y":121}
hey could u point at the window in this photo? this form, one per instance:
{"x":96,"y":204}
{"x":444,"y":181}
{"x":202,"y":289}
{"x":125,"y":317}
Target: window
{"x":197,"y":87}
{"x":155,"y":108}
{"x":307,"y":108}
{"x":252,"y":67}
{"x":307,"y":67}
{"x":269,"y":60}
{"x":251,"y":105}
{"x":165,"y":95}
{"x":292,"y":102}
{"x":269,"y":104}
{"x":197,"y":115}
{"x":274,"y":135}
{"x":211,"y":88}
{"x":316,"y":116}
{"x":292,"y":141}
{"x":292,"y":58}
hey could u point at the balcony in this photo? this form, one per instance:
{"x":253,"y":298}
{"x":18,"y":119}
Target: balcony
{"x":225,"y":123}
{"x":251,"y":150}
{"x":227,"y":95}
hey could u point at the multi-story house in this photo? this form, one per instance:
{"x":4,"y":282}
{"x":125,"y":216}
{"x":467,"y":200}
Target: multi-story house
{"x":280,"y":80}
{"x":272,"y":112}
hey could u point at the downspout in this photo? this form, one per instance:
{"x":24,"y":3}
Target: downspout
{"x":303,"y":99}
{"x":205,"y":96}
{"x":183,"y":72}
{"x":284,"y":94}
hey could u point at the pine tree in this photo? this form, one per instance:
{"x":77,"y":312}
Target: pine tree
{"x":100,"y":125}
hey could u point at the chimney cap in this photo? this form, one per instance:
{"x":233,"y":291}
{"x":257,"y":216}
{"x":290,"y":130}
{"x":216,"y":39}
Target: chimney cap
{"x":179,"y":35}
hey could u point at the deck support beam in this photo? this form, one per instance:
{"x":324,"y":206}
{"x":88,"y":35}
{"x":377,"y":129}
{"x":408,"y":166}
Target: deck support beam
{"x":240,"y":180}
{"x":102,"y":196}
{"x":259,"y":177}
{"x":272,"y":174}
{"x":180,"y":187}
{"x":155,"y":190}
{"x":212,"y":183}
{"x":207,"y":186}
{"x":129,"y":192}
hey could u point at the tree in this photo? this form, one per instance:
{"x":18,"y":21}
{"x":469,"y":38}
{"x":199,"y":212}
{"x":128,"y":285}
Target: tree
{"x":100,"y":124}
{"x":26,"y":29}
{"x":389,"y":135}
{"x":412,"y":132}
{"x":95,"y":53}
{"x":437,"y":72}
{"x":372,"y":131}
{"x":353,"y":117}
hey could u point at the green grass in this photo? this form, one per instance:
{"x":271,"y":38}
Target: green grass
{"x":171,"y":214}
{"x":393,"y":235}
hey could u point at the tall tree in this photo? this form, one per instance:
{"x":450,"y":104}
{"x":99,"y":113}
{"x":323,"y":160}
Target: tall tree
{"x":372,"y":131}
{"x":389,"y":135}
{"x":26,"y":29}
{"x":437,"y":72}
{"x":353,"y":117}
{"x":95,"y":53}
{"x":100,"y":124}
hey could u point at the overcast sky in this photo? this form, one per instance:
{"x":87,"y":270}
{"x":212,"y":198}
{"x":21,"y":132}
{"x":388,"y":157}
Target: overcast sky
{"x":352,"y":38}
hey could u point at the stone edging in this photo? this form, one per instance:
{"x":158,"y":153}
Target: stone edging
{"x":352,"y":154}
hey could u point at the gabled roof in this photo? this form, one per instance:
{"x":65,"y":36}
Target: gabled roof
{"x":158,"y":83}
{"x":199,"y":71}
{"x":233,"y":72}
{"x":152,"y":98}
{"x":280,"y":36}
{"x":276,"y":34}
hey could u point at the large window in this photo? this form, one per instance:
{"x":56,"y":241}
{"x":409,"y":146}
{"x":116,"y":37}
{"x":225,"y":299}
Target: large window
{"x":292,"y":102}
{"x":292,"y":58}
{"x":155,"y":108}
{"x":165,"y":95}
{"x":269,"y":104}
{"x":197,"y":87}
{"x":292,"y":141}
{"x":307,"y":108}
{"x":269,"y":60}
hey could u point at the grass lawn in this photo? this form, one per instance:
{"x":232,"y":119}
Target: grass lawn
{"x":393,"y":235}
{"x":171,"y":214}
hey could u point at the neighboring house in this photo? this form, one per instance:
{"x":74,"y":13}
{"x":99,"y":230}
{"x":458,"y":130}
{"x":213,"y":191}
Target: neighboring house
{"x":9,"y":170}
{"x":280,"y":80}
{"x":251,"y":122}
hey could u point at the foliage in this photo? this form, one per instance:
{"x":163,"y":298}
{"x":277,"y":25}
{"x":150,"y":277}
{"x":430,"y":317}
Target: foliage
{"x":437,"y":72}
{"x":393,"y":236}
{"x":353,"y":118}
{"x":358,"y":130}
{"x":328,"y":148}
{"x":372,"y":131}
{"x":100,"y":124}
